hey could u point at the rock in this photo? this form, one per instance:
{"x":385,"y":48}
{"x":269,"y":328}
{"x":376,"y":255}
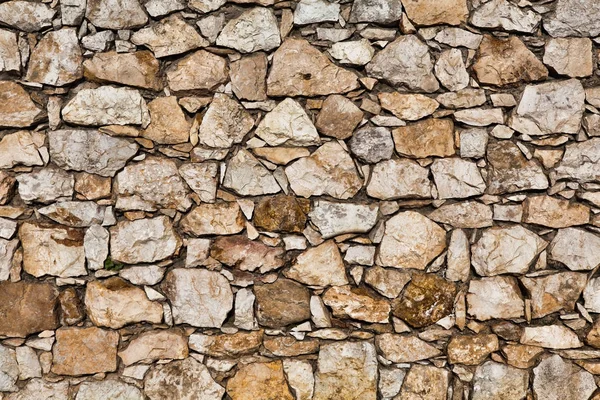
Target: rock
{"x":7,"y":187}
{"x":225,"y":123}
{"x":480,"y":116}
{"x":26,"y":16}
{"x":19,"y":148}
{"x":426,"y":299}
{"x":288,"y":346}
{"x":27,"y":308}
{"x":89,"y":151}
{"x":430,"y":137}
{"x":571,"y":57}
{"x":553,"y":107}
{"x":550,"y":336}
{"x":315,"y":11}
{"x":245,"y":254}
{"x":106,"y":105}
{"x":358,"y":52}
{"x":84,"y":351}
{"x":9,"y":370}
{"x":404,"y":349}
{"x":7,"y":253}
{"x":300,"y":377}
{"x":574,"y":18}
{"x":198,"y":297}
{"x":180,"y":380}
{"x":319,"y":266}
{"x":408,"y":106}
{"x":299,"y":69}
{"x":425,"y":382}
{"x":329,"y":170}
{"x":385,"y":183}
{"x":405,"y":61}
{"x":214,"y":219}
{"x":282,"y":303}
{"x":45,"y":185}
{"x":496,"y":381}
{"x":36,"y":388}
{"x":202,"y":179}
{"x":151,"y":184}
{"x":244,"y":310}
{"x":458,"y":258}
{"x":506,"y":15}
{"x":144,"y":240}
{"x":473,"y":143}
{"x":580,"y":161}
{"x":259,"y":381}
{"x":155,"y":345}
{"x":169,"y":36}
{"x":231,"y":346}
{"x":590,"y":295}
{"x":249,"y":76}
{"x":504,"y":61}
{"x":510,"y":171}
{"x":465,"y":98}
{"x":56,"y":60}
{"x":555,"y":379}
{"x":288,"y":124}
{"x":109,"y":14}
{"x":109,"y":389}
{"x":457,"y":178}
{"x":555,"y":213}
{"x":281,"y":213}
{"x":143,"y":275}
{"x":198,"y":71}
{"x":379,"y":12}
{"x":158,"y":8}
{"x":254,"y":30}
{"x":205,"y":6}
{"x":467,"y":214}
{"x":114,"y":303}
{"x":346,"y":370}
{"x":16,"y":107}
{"x":555,"y":292}
{"x":349,"y":218}
{"x":386,"y":281}
{"x":411,"y":240}
{"x":496,"y":297}
{"x":99,"y":41}
{"x":434,"y":12}
{"x":576,"y":248}
{"x":371,"y":144}
{"x":77,"y":214}
{"x":169,"y":125}
{"x":451,"y":71}
{"x":52,"y":250}
{"x":338,"y":117}
{"x":521,"y":356}
{"x":357,"y":303}
{"x":471,"y":349}
{"x":390,"y":381}
{"x":457,"y":37}
{"x":246,"y":176}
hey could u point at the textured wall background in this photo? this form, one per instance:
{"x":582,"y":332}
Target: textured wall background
{"x":249,"y":200}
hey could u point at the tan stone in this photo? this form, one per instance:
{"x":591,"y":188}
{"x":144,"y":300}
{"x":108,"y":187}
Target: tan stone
{"x":550,"y":336}
{"x":552,"y":293}
{"x":19,"y":148}
{"x":281,"y":155}
{"x":288,"y":346}
{"x":84,"y":351}
{"x":214,"y":219}
{"x":259,"y":381}
{"x":71,"y":307}
{"x":248,"y":77}
{"x":399,"y":179}
{"x":168,"y":123}
{"x":570,"y":56}
{"x":91,"y":186}
{"x":282,"y":303}
{"x":404,"y":349}
{"x":27,"y":308}
{"x":436,"y":12}
{"x":510,"y":171}
{"x":521,"y":356}
{"x":155,"y":345}
{"x":471,"y":349}
{"x":227,"y":345}
{"x":554,"y":212}
{"x":281,"y":213}
{"x":169,"y":36}
{"x":467,"y":214}
{"x":247,"y":255}
{"x":425,"y":382}
{"x":388,"y":282}
{"x":16,"y":107}
{"x":200,"y":70}
{"x":338,"y":117}
{"x":139,"y":69}
{"x":431,"y":137}
{"x":319,"y":266}
{"x":495,"y":297}
{"x":225,"y":122}
{"x":357,"y":303}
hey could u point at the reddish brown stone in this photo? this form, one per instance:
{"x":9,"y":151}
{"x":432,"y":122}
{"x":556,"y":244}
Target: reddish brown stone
{"x":71,"y":307}
{"x":246,"y":254}
{"x":27,"y":308}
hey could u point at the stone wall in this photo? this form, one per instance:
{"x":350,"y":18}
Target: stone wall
{"x":313,"y":200}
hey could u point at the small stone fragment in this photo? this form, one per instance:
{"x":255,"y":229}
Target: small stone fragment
{"x":248,"y":177}
{"x":378,"y":11}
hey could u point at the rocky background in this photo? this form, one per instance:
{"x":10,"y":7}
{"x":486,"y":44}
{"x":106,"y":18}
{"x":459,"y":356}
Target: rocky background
{"x":260,"y":200}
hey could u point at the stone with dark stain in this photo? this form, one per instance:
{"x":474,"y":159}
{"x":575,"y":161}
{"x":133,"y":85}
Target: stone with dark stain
{"x":282,"y":303}
{"x":282,"y":213}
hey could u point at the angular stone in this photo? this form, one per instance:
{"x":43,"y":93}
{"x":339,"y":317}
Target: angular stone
{"x":282,"y":303}
{"x":151,"y":184}
{"x":299,"y":69}
{"x":26,"y":15}
{"x":506,"y":15}
{"x":158,"y":8}
{"x":156,"y":345}
{"x":202,"y":179}
{"x":504,"y":61}
{"x":106,"y":105}
{"x":27,"y":308}
{"x":9,"y":370}
{"x":378,"y":11}
{"x":576,"y":248}
{"x":39,"y":388}
{"x":581,"y":161}
{"x":112,"y":14}
{"x":426,"y":299}
{"x":457,"y":37}
{"x":497,"y":381}
{"x":556,"y":379}
{"x":45,"y":185}
{"x":457,"y":178}
{"x":7,"y":253}
{"x":404,"y":349}
{"x":200,"y":70}
{"x":19,"y":148}
{"x":225,"y":123}
{"x":84,"y":351}
{"x":206,"y":6}
{"x":372,"y":145}
{"x":281,"y":213}
{"x":385,"y":182}
{"x":244,"y":310}
{"x":259,"y":381}
{"x":405,"y":61}
{"x":553,"y":212}
{"x":410,"y":240}
{"x":246,"y":176}
{"x":230,"y":346}
{"x":552,"y":293}
{"x":521,"y":356}
{"x":214,"y":219}
{"x":77,"y":214}
{"x":386,"y":281}
{"x":467,"y":215}
{"x":300,"y":377}
{"x":333,"y":219}
{"x":571,"y":57}
{"x":16,"y":107}
{"x":169,"y":36}
{"x":465,"y":98}
{"x":91,"y":186}
{"x":247,"y":255}
{"x":425,"y":382}
{"x":451,"y":71}
{"x":249,"y":76}
{"x":288,"y":124}
{"x":338,"y":117}
{"x":144,"y":240}
{"x":346,"y":370}
{"x":480,"y":116}
{"x":254,"y":30}
{"x":496,"y":297}
{"x":435,"y":12}
{"x":510,"y":171}
{"x":198,"y":297}
{"x":56,"y":59}
{"x":169,"y":125}
{"x":287,"y":346}
{"x":590,"y":295}
{"x":89,"y":151}
{"x":550,"y":336}
{"x":574,"y":18}
{"x":314,"y":11}
{"x":471,"y":349}
{"x":319,"y":266}
{"x":108,"y":389}
{"x":408,"y":106}
{"x":430,"y":137}
{"x":473,"y":143}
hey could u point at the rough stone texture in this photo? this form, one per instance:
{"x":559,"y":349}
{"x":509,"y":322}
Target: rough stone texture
{"x":281,"y":303}
{"x":16,"y":107}
{"x":386,"y":184}
{"x":224,"y":123}
{"x":430,"y":137}
{"x":496,"y":297}
{"x":260,"y":381}
{"x":139,"y":69}
{"x":84,"y":351}
{"x":169,"y":36}
{"x":27,"y":308}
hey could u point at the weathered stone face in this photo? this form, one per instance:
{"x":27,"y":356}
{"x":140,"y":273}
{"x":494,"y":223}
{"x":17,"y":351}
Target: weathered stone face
{"x":27,"y":308}
{"x":282,"y":303}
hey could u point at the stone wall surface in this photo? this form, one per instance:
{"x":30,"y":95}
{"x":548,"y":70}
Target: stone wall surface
{"x":299,"y":200}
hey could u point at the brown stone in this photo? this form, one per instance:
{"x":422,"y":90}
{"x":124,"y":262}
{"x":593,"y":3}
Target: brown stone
{"x":248,"y":77}
{"x":16,"y":107}
{"x":436,"y":12}
{"x":84,"y":351}
{"x":552,"y":293}
{"x":471,"y":349}
{"x":404,"y":348}
{"x":7,"y":187}
{"x":91,"y":186}
{"x":71,"y":307}
{"x":198,"y":71}
{"x":27,"y":308}
{"x":554,"y":212}
{"x":510,"y":171}
{"x":505,"y":61}
{"x":140,"y":69}
{"x":425,"y":382}
{"x":521,"y":355}
{"x":408,"y":106}
{"x":593,"y":336}
{"x":214,"y":219}
{"x":169,"y":125}
{"x":156,"y":345}
{"x":288,"y":346}
{"x":338,"y":117}
{"x":281,"y":155}
{"x":259,"y":381}
{"x":281,"y":213}
{"x":282,"y":303}
{"x":247,"y":255}
{"x":227,"y":345}
{"x":426,"y":299}
{"x":357,"y":303}
{"x":430,"y":137}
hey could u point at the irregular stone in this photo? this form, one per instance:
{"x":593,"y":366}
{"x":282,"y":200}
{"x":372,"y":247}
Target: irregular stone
{"x":357,"y":52}
{"x":382,"y":12}
{"x":77,"y":214}
{"x":249,"y":76}
{"x":247,"y":255}
{"x":225,"y":123}
{"x":84,"y":351}
{"x":315,"y":11}
{"x":299,"y":69}
{"x":282,"y":303}
{"x":473,"y":143}
{"x":497,"y":297}
{"x":329,"y":170}
{"x":19,"y":148}
{"x":198,"y":297}
{"x":206,"y":6}
{"x":38,"y":388}
{"x":386,"y":281}
{"x":571,"y":57}
{"x":357,"y":303}
{"x":550,"y":336}
{"x":465,"y":98}
{"x":143,"y":275}
{"x":108,"y":389}
{"x":214,"y":219}
{"x":426,"y":299}
{"x":89,"y":151}
{"x":106,"y":105}
{"x":467,"y":215}
{"x":504,"y":61}
{"x":300,"y":377}
{"x":410,"y":240}
{"x":144,"y":240}
{"x":510,"y":171}
{"x":338,"y":117}
{"x":430,"y":137}
{"x":202,"y":179}
{"x":405,"y":61}
{"x":434,"y":12}
{"x":371,"y":144}
{"x":169,"y":125}
{"x":581,"y":161}
{"x":169,"y":36}
{"x":553,"y":212}
{"x":254,"y":30}
{"x":385,"y":182}
{"x":158,"y":8}
{"x":590,"y":295}
{"x":319,"y":266}
{"x":390,"y":381}
{"x":451,"y":71}
{"x":471,"y":349}
{"x":574,"y":18}
{"x":56,"y":59}
{"x":555,"y":379}
{"x":16,"y":107}
{"x":425,"y":382}
{"x":555,"y":292}
{"x":151,"y":184}
{"x":521,"y":356}
{"x":346,"y":370}
{"x":457,"y":37}
{"x":99,"y":41}
{"x":244,"y":310}
{"x":45,"y":185}
{"x":26,"y":16}
{"x":288,"y":124}
{"x":506,"y":15}
{"x":408,"y":106}
{"x":200,"y":70}
{"x":27,"y":308}
{"x":246,"y":176}
{"x":155,"y":345}
{"x":111,"y":14}
{"x":480,"y":116}
{"x":576,"y":248}
{"x":404,"y":349}
{"x":457,"y":178}
{"x":7,"y":253}
{"x":231,"y":346}
{"x":288,"y":346}
{"x":333,"y":219}
{"x":259,"y":381}
{"x":281,"y":213}
{"x":497,"y":381}
{"x":9,"y":370}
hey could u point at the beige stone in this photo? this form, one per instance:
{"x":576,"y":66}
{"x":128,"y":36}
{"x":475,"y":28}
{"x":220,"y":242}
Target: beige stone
{"x":425,"y":382}
{"x":554,"y":212}
{"x":570,"y":56}
{"x":200,"y":70}
{"x":357,"y":303}
{"x":224,"y":123}
{"x":84,"y":351}
{"x":404,"y":349}
{"x":409,"y":107}
{"x":338,"y":117}
{"x":57,"y":59}
{"x":16,"y":107}
{"x":495,"y":297}
{"x":471,"y":349}
{"x":259,"y":381}
{"x":319,"y":266}
{"x":214,"y":219}
{"x":139,"y":69}
{"x":555,"y":292}
{"x":168,"y":123}
{"x":430,"y":137}
{"x":169,"y":36}
{"x":436,"y":12}
{"x":248,"y":77}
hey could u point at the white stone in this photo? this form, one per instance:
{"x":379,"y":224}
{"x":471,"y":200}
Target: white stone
{"x":314,"y":11}
{"x":386,"y":184}
{"x":494,"y":380}
{"x":578,"y":249}
{"x":29,"y":364}
{"x":473,"y":143}
{"x":169,"y":36}
{"x":457,"y":178}
{"x":496,"y":297}
{"x":555,"y":379}
{"x":9,"y":370}
{"x":78,"y":214}
{"x":300,"y":377}
{"x":451,"y":71}
{"x":143,"y":275}
{"x":108,"y":389}
{"x":224,"y":123}
{"x":550,"y":336}
{"x":7,"y":251}
{"x":254,"y":30}
{"x":19,"y":148}
{"x":457,"y":37}
{"x":358,"y":52}
{"x":10,"y":58}
{"x":26,"y":15}
{"x":480,"y":116}
{"x":319,"y":266}
{"x":202,"y":179}
{"x":574,"y":18}
{"x":591,"y":295}
{"x":333,"y":219}
{"x":506,"y":15}
{"x":458,"y":259}
{"x":288,"y":124}
{"x":246,"y":176}
{"x":362,"y":255}
{"x":95,"y":244}
{"x":244,"y":310}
